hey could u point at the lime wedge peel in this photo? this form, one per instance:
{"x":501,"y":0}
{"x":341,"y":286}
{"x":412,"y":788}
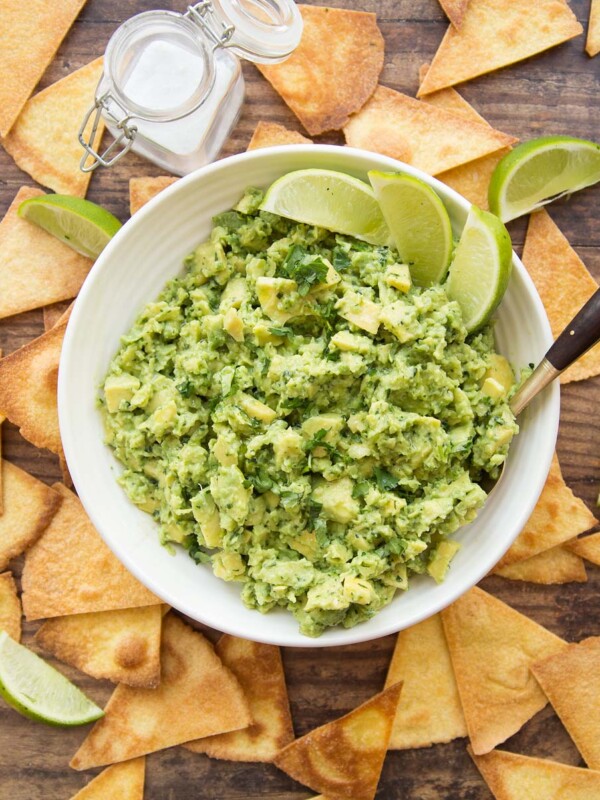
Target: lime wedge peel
{"x":78,"y":223}
{"x":331,"y":200}
{"x":481,"y":268}
{"x":539,"y":171}
{"x":38,"y":691}
{"x":419,"y":224}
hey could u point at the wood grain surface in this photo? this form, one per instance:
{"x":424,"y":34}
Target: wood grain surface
{"x":556,"y":92}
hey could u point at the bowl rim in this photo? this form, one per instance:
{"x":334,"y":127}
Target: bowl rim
{"x":361,"y":632}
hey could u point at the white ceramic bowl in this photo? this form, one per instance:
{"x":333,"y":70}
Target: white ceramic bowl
{"x":132,"y":271}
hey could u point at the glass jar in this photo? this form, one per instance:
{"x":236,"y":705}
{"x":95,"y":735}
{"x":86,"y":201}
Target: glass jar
{"x":172,"y":87}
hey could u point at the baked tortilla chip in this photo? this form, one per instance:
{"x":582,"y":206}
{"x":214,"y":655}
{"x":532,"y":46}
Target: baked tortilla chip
{"x":10,"y":607}
{"x":333,"y":71}
{"x":197,"y":697}
{"x":450,"y":100}
{"x":122,"y":646}
{"x":344,"y":758}
{"x":430,"y":711}
{"x":570,"y":681}
{"x":515,"y":777}
{"x":43,"y":141}
{"x":587,"y":547}
{"x":58,"y":312}
{"x":556,"y":565}
{"x":455,"y":10}
{"x":267,"y":134}
{"x":420,"y":134}
{"x":259,"y":670}
{"x":557,"y":517}
{"x":35,"y":267}
{"x":29,"y":506}
{"x":145,"y":188}
{"x":28,"y":381}
{"x":70,"y":570}
{"x":563,"y":283}
{"x":496,"y":33}
{"x":30,"y":35}
{"x":592,"y":45}
{"x":492,"y":647}
{"x":120,"y":782}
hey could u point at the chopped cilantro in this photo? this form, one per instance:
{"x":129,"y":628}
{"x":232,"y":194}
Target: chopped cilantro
{"x":283,"y":330}
{"x":385,"y":480}
{"x":360,"y":489}
{"x":341,"y":259}
{"x":304,"y":268}
{"x":186,"y":388}
{"x":318,"y":440}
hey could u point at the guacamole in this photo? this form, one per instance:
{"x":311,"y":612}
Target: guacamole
{"x":299,"y":416}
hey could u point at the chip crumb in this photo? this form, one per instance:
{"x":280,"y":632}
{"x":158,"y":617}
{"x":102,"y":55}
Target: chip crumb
{"x":268,"y":134}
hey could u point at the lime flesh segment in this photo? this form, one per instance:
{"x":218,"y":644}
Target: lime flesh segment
{"x":481,"y":268}
{"x":80,"y":224}
{"x":331,"y":200}
{"x":419,"y":224}
{"x":535,"y":173}
{"x":40,"y":692}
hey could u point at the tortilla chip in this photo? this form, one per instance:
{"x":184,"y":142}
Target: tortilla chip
{"x":563,"y":282}
{"x":430,"y":711}
{"x":10,"y":607}
{"x":455,"y":10}
{"x":515,"y":777}
{"x":344,"y":758}
{"x":557,"y":517}
{"x":259,"y":670}
{"x":28,"y":380}
{"x":587,"y":547}
{"x":29,"y":506}
{"x":420,"y":134}
{"x":570,"y":681}
{"x":197,"y":697}
{"x":30,"y":35}
{"x":58,"y":312}
{"x":592,"y":45}
{"x":496,"y":33}
{"x":70,"y":570}
{"x":267,"y":134}
{"x":145,"y":188}
{"x":492,"y":647}
{"x":556,"y":565}
{"x":121,"y":782}
{"x":43,"y":141}
{"x":450,"y":100}
{"x":122,"y":646}
{"x":333,"y":71}
{"x":35,"y":267}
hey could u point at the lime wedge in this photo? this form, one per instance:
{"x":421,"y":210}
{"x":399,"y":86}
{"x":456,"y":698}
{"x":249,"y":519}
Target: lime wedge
{"x":81,"y":224}
{"x":38,"y":691}
{"x":539,"y":171}
{"x":331,"y":200}
{"x":419,"y":224}
{"x":481,"y":268}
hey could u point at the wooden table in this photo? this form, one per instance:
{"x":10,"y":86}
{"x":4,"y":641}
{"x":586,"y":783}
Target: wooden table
{"x":556,"y":92}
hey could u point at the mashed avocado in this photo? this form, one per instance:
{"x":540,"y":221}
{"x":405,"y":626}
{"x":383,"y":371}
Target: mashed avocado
{"x":295,"y":413}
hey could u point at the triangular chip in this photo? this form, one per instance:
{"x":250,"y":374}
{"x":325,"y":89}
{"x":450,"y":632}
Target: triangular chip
{"x":57,"y":312}
{"x":120,"y":782}
{"x":344,"y":758}
{"x":197,"y":697}
{"x":570,"y":680}
{"x":44,"y":142}
{"x":267,"y":134}
{"x":29,"y":506}
{"x":427,"y":137}
{"x":557,"y":517}
{"x":122,"y":646}
{"x":563,"y":283}
{"x":556,"y":565}
{"x":334,"y":69}
{"x":145,"y":188}
{"x":515,"y":777}
{"x":592,"y":45}
{"x":259,"y":670}
{"x":29,"y":37}
{"x":430,"y":711}
{"x":28,"y":381}
{"x":10,"y":607}
{"x":587,"y":547}
{"x":496,"y":33}
{"x":455,"y":10}
{"x":70,"y":570}
{"x":492,"y":647}
{"x":35,"y":267}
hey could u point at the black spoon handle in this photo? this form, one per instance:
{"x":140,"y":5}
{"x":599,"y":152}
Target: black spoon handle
{"x":580,"y":334}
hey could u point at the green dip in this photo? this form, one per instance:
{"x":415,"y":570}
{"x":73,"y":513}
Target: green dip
{"x":293,"y":412}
